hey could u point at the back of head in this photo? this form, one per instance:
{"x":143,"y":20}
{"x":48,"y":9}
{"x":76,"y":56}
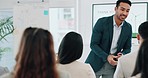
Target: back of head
{"x":124,"y":1}
{"x":143,"y":30}
{"x":70,"y":48}
{"x":35,"y":58}
{"x":141,"y":63}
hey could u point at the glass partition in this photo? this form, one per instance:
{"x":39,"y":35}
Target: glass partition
{"x":61,"y":21}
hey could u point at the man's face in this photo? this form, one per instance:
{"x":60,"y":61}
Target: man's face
{"x":122,"y":11}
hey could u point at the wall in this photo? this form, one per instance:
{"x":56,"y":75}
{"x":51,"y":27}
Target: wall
{"x":5,"y":4}
{"x":26,"y":15}
{"x":8,"y":4}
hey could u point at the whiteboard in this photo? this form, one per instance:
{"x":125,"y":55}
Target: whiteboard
{"x":138,"y":13}
{"x":29,"y":15}
{"x":25,"y":15}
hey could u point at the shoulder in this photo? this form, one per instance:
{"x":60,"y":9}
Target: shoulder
{"x":81,"y":64}
{"x":125,"y":58}
{"x":128,"y":56}
{"x":86,"y":67}
{"x":105,"y":18}
{"x":102,"y":22}
{"x":127,"y":24}
{"x":72,"y":69}
{"x":74,"y":66}
{"x":128,"y":59}
{"x":63,"y":74}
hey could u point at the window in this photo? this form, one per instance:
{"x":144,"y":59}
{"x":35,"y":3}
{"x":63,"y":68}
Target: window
{"x":6,"y":39}
{"x":62,"y":21}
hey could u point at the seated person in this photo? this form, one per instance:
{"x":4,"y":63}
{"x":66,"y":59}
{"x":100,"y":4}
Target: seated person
{"x":126,"y":63}
{"x":141,"y":68}
{"x":70,"y":50}
{"x":36,"y":57}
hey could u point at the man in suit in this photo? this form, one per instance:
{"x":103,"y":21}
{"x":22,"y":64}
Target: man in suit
{"x":111,"y":38}
{"x":126,"y":63}
{"x":3,"y":70}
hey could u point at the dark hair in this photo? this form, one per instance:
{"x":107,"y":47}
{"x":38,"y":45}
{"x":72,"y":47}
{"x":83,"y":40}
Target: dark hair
{"x":124,"y":1}
{"x":142,"y":60}
{"x":36,"y":58}
{"x":143,"y":30}
{"x":70,"y":48}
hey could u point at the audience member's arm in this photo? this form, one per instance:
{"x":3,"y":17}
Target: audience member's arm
{"x":119,"y":71}
{"x":91,"y":72}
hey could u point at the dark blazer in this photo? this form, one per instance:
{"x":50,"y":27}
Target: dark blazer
{"x":101,"y":42}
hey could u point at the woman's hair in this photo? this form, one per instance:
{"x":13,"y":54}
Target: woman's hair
{"x":142,"y":60}
{"x":70,"y":48}
{"x":143,"y":30}
{"x":36,"y":58}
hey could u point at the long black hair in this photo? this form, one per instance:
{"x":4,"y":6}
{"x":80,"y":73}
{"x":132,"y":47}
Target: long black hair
{"x":142,"y":60}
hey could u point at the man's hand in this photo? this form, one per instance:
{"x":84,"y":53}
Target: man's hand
{"x":119,"y":55}
{"x":111,"y":60}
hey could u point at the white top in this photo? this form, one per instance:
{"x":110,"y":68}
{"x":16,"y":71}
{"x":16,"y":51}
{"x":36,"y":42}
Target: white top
{"x":126,"y":65}
{"x":78,"y":70}
{"x":116,"y":35}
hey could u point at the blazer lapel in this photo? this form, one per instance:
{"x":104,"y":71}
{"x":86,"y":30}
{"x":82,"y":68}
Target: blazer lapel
{"x":110,"y":29}
{"x":122,"y":35}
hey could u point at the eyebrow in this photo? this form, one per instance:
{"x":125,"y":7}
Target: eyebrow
{"x":124,"y":8}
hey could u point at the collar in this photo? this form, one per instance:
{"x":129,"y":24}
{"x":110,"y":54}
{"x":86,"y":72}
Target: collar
{"x":114,"y":23}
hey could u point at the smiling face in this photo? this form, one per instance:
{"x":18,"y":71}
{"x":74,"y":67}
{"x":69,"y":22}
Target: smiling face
{"x":122,"y":11}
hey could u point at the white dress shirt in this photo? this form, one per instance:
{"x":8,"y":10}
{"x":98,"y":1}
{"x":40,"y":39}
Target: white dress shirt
{"x":116,"y":35}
